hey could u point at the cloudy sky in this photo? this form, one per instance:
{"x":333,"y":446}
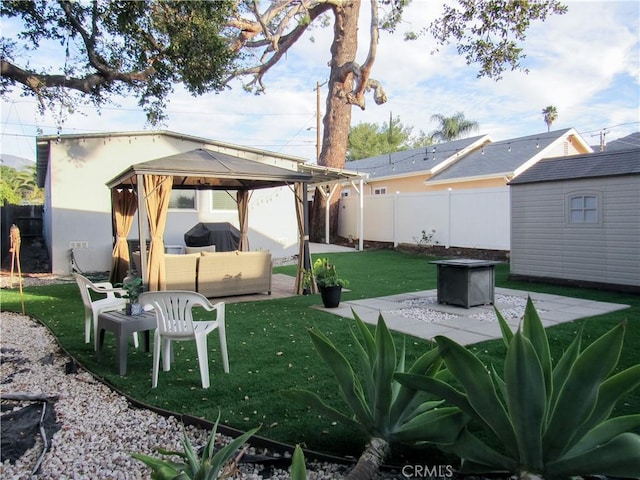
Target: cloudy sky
{"x":586,"y":63}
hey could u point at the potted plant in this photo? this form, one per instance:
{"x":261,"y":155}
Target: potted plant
{"x":133,"y":287}
{"x":329,"y":284}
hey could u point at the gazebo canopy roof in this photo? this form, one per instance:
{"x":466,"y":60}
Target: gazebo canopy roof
{"x":208,"y":169}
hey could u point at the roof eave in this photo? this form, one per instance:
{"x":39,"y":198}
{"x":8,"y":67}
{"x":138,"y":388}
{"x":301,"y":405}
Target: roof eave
{"x":505,"y":175}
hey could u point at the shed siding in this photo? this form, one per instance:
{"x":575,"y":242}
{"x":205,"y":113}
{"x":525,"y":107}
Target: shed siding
{"x":545,"y":244}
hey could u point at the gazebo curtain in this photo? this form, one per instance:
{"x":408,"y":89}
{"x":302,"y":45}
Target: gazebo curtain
{"x":303,"y":239}
{"x":124,"y":208}
{"x":157,"y":191}
{"x":243,"y":213}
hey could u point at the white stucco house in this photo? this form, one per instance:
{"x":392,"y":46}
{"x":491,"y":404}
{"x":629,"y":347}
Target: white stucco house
{"x":77,"y":223}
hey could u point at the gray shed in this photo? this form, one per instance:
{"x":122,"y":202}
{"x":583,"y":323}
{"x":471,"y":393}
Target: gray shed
{"x":576,"y":220}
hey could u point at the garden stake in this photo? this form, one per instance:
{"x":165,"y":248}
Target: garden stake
{"x":14,"y":233}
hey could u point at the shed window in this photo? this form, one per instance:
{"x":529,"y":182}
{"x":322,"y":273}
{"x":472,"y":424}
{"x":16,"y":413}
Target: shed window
{"x":223,"y":200}
{"x":380,"y":191}
{"x":583,"y":209}
{"x":182,"y":200}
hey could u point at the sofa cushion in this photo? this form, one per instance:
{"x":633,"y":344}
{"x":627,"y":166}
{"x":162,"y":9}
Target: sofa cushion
{"x":181,"y":271}
{"x":234,"y":273}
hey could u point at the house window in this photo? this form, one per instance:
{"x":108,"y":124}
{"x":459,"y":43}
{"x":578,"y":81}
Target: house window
{"x":380,"y":191}
{"x":223,"y":200}
{"x":182,"y":200}
{"x":583,"y":209}
{"x":345,"y":193}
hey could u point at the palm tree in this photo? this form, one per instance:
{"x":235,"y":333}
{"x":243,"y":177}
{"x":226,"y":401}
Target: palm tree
{"x":550,"y":115}
{"x":452,"y":127}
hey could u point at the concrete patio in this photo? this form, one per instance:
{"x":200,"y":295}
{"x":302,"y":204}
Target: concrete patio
{"x":419,"y":314}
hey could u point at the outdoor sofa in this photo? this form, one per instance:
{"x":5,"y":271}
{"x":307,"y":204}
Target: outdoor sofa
{"x":217,"y":274}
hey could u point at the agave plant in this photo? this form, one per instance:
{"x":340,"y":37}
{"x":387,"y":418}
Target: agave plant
{"x":210,"y":466}
{"x":388,"y":412}
{"x":298,"y":467}
{"x":548,"y":420}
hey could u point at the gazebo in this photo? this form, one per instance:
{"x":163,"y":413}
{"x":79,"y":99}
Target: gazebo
{"x":146,"y":188}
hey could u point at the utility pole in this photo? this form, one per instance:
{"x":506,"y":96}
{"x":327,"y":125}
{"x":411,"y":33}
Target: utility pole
{"x":603,"y":139}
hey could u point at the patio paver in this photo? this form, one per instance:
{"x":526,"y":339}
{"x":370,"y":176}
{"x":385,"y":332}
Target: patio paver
{"x":470,"y":325}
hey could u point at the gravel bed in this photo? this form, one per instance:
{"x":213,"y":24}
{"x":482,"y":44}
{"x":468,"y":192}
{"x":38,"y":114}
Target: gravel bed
{"x":511,"y":308}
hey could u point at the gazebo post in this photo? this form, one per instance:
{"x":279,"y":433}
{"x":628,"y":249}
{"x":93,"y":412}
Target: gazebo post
{"x":305,"y":209}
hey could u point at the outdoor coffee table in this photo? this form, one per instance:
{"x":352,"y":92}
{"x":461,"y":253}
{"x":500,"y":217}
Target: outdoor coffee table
{"x":466,"y":282}
{"x":122,"y":326}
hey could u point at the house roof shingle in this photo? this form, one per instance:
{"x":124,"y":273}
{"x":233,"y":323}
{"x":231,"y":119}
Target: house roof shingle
{"x":502,"y":157}
{"x":417,"y":160}
{"x":602,"y":164}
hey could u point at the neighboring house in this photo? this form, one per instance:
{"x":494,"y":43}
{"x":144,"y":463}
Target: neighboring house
{"x":459,"y":189}
{"x":577,"y":220}
{"x":406,"y":171}
{"x":74,"y":170}
{"x":496,"y":163}
{"x":475,"y":162}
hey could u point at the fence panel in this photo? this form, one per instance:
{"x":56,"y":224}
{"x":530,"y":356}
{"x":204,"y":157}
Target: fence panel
{"x":473,"y":218}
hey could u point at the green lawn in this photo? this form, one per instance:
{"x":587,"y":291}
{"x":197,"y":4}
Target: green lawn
{"x":270,"y":350}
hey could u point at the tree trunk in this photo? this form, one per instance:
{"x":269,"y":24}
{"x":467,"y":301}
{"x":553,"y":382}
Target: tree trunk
{"x":337,"y":119}
{"x":369,"y":462}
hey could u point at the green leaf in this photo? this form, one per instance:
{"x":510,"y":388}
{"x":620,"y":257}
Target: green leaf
{"x":562,"y":369}
{"x":605,"y":432}
{"x":366,"y":367}
{"x":507,"y":334}
{"x":162,"y":469}
{"x":226,"y":452}
{"x":193,"y":461}
{"x":593,"y":365}
{"x":314,"y":401}
{"x":439,"y":426}
{"x":427,"y":364}
{"x":478,"y":386}
{"x":298,"y":468}
{"x":369,"y":341}
{"x":395,"y":386}
{"x":439,"y":389}
{"x":533,"y":329}
{"x":478,"y":457}
{"x":498,"y":382}
{"x":619,"y":458}
{"x":383,"y":374}
{"x":347,"y":380}
{"x":611,"y":390}
{"x":526,"y":399}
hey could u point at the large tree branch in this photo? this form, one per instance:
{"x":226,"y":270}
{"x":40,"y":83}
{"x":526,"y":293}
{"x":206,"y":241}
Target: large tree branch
{"x":362,"y":79}
{"x":282,"y":43}
{"x":87,"y":84}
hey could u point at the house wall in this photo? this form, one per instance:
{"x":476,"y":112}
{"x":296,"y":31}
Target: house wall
{"x":494,"y":182}
{"x":393,"y":185}
{"x":471,"y":218}
{"x":544,"y":244}
{"x":78,"y":211}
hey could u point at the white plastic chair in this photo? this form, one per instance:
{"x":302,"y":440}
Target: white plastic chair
{"x":110,"y":302}
{"x":175,"y":322}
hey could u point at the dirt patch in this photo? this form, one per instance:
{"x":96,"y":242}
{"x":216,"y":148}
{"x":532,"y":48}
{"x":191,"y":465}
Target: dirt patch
{"x":454,"y":252}
{"x":432,"y":250}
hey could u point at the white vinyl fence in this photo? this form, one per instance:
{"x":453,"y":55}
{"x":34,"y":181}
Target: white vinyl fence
{"x":473,"y":218}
